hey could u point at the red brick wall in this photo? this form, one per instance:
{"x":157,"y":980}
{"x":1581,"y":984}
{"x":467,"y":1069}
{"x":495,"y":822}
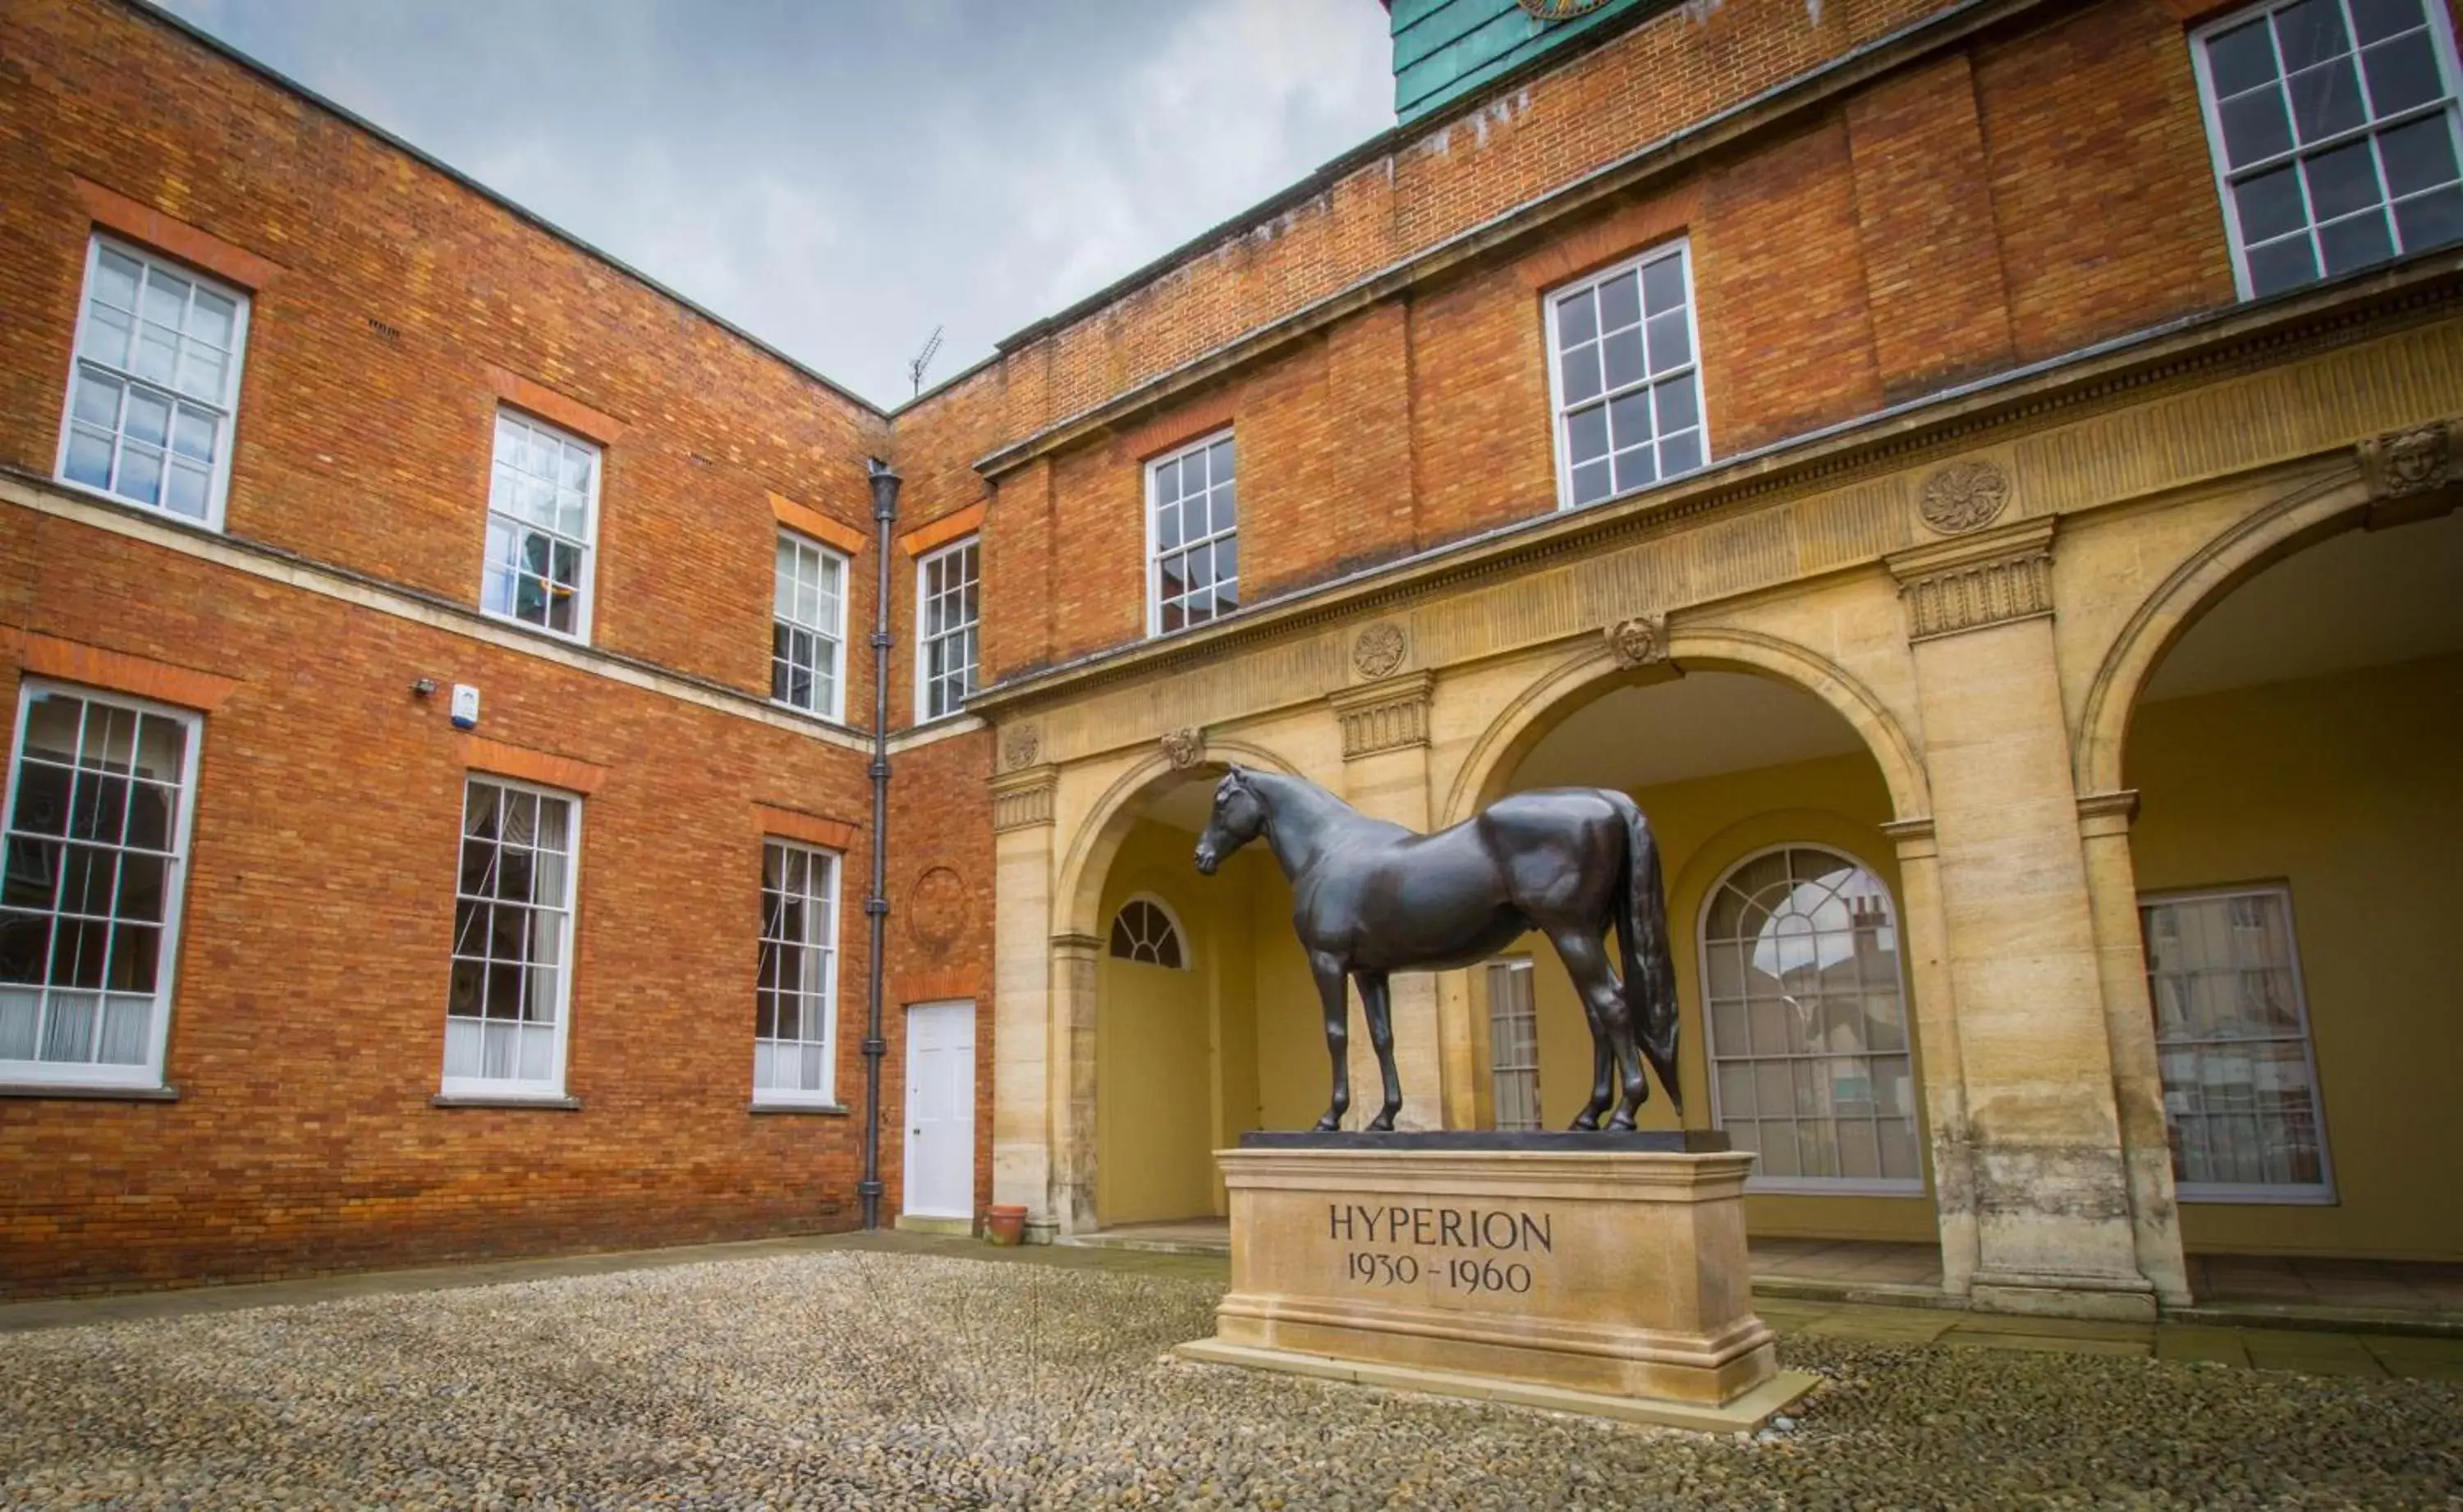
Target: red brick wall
{"x":370,"y":449}
{"x":2036,"y":188}
{"x":307,"y":1026}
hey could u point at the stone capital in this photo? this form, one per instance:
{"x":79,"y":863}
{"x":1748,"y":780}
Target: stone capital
{"x":1988,"y":578}
{"x":1073,"y":946}
{"x":1385,"y":716}
{"x":1022,"y":799}
{"x":1913,"y":837}
{"x":2102,"y":814}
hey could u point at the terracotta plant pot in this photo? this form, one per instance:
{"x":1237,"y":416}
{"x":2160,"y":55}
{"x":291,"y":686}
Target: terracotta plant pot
{"x":1005,"y":1223}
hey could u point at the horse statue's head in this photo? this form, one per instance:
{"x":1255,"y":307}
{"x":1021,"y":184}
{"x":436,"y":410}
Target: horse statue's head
{"x":1239,"y":818}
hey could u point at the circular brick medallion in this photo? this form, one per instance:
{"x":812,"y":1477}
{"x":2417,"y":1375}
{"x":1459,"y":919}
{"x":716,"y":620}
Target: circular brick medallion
{"x":936,"y":909}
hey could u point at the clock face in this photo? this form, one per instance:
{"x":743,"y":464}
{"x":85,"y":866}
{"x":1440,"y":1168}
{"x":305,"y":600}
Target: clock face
{"x":1560,"y":10}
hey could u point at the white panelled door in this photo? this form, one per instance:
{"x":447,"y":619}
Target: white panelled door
{"x":941,"y":1110}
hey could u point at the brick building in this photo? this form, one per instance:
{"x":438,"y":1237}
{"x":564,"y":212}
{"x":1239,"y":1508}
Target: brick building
{"x":1978,"y":473}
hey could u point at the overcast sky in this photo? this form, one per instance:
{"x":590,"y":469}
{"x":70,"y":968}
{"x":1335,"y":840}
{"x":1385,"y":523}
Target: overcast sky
{"x":841,"y":176}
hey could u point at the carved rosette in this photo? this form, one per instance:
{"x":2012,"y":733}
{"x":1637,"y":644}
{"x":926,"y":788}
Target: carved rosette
{"x":1183,"y":748}
{"x":1379,"y":650}
{"x":936,"y":909}
{"x":1640,"y":641}
{"x":1020,"y":746}
{"x":1964,"y":496}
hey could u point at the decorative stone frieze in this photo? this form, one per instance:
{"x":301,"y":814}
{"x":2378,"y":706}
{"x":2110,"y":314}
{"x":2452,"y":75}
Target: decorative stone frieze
{"x":1964,"y":496}
{"x":1981,"y":580}
{"x":1387,"y":717}
{"x":1023,"y":799}
{"x":1020,"y":745}
{"x":1379,"y":649}
{"x":1183,"y":748}
{"x":1639,"y":641}
{"x":2107,"y":813}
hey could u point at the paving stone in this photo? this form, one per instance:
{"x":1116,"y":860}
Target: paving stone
{"x":860,"y":1377}
{"x":2189,"y":1345}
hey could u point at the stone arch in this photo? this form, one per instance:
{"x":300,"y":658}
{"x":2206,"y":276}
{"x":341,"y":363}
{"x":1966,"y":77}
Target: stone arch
{"x":1079,"y":896}
{"x":1533,"y":711}
{"x":2301,"y":517}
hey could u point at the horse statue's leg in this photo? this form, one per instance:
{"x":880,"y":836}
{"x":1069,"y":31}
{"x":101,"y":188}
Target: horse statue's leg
{"x":1336,"y":998}
{"x":1381,"y":1035}
{"x":1586,"y":960}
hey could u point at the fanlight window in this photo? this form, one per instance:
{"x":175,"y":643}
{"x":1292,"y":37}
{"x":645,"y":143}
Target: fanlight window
{"x":1810,"y":1063}
{"x":1144,"y":932}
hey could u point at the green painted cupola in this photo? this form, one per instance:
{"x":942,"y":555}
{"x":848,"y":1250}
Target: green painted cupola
{"x":1447,"y":48}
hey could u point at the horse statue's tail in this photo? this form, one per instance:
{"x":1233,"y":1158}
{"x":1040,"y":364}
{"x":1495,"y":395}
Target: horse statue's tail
{"x":1642,"y":931}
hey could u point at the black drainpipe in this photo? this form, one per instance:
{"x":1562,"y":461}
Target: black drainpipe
{"x":876,"y":908}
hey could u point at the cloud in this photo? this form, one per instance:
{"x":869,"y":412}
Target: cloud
{"x":839,"y":179}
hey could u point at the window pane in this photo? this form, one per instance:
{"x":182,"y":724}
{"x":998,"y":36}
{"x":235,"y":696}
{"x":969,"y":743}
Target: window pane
{"x":2377,"y":19}
{"x":2281,"y":265}
{"x":2432,"y":219}
{"x":2341,"y":181}
{"x":2255,"y":128}
{"x":2356,"y":243}
{"x":2269,"y":204}
{"x":1586,"y":434}
{"x":1621,"y":302}
{"x":2310,"y":31}
{"x":1576,"y":319}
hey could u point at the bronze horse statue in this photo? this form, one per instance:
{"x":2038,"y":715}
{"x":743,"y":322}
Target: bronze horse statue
{"x":1370,"y":899}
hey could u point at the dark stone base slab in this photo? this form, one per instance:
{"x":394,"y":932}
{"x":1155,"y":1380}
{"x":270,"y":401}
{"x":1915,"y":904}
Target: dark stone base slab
{"x":1554,"y":1142}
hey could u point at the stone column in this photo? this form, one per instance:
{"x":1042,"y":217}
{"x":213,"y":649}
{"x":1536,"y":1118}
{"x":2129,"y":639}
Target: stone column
{"x":1022,"y":872}
{"x":1075,"y":958}
{"x":2130,"y":1025}
{"x":1924,"y":940}
{"x":1386,"y":776}
{"x":2051,"y":1189}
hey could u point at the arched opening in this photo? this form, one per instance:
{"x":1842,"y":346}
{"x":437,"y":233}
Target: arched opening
{"x":2294,"y":752}
{"x":1797,"y":1030}
{"x":1202,"y":1012}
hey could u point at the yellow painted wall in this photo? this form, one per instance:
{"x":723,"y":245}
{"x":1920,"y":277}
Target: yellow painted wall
{"x":1181,"y":1055}
{"x":1705,"y":826}
{"x":2349,"y":788}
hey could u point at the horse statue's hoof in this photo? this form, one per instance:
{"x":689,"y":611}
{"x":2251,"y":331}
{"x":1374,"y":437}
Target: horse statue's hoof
{"x":1584,"y":1123}
{"x":1329,"y":1123}
{"x":1620,"y":1126}
{"x":1383,"y":1124}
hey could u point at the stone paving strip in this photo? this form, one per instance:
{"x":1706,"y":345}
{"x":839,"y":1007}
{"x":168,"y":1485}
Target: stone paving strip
{"x":891,"y":1376}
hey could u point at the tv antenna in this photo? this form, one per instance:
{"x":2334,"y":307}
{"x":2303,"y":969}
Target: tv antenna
{"x":924,"y":359}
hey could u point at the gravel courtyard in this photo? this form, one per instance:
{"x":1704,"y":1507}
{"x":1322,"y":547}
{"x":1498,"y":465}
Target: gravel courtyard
{"x":853,"y":1379}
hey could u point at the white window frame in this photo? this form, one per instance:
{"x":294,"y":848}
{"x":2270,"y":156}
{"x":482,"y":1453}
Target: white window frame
{"x":218,"y":487}
{"x":1816,"y":1185}
{"x":2278,"y":1194}
{"x":585,"y":588}
{"x":507,"y":1089}
{"x":1558,"y":421}
{"x":2441,"y":33}
{"x":924,"y":642}
{"x":826,"y":1095}
{"x":86,"y":1073}
{"x":1517,"y":967}
{"x":836,"y":712}
{"x":1170,"y":918}
{"x":1154,"y":557}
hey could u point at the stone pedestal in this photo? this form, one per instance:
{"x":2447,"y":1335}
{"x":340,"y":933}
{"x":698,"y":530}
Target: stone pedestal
{"x":1600,"y":1274}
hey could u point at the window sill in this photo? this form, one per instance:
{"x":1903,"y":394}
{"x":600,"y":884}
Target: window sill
{"x":568,"y":1105}
{"x":820,"y":1110}
{"x":833,"y":721}
{"x":87,"y":1091}
{"x":569,"y":638}
{"x":211,"y":525}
